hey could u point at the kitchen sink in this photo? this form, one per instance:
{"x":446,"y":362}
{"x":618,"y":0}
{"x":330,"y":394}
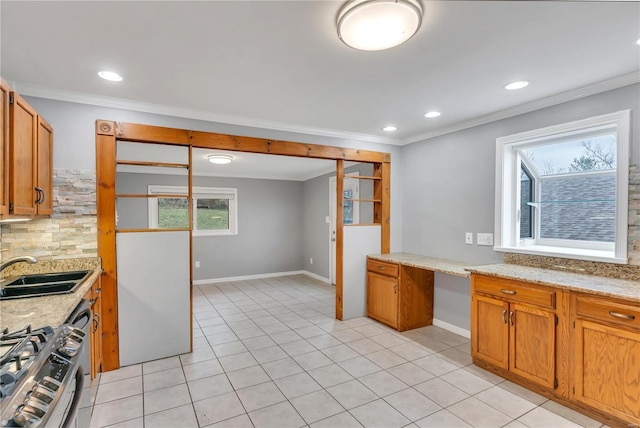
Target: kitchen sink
{"x":42,"y":284}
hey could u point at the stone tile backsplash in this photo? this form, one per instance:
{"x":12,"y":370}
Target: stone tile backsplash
{"x":70,"y":232}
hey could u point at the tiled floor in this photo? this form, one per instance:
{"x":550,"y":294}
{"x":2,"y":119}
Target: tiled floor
{"x":268,"y":353}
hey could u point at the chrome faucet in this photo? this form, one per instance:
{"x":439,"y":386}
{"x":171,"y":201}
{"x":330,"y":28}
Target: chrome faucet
{"x":9,"y":262}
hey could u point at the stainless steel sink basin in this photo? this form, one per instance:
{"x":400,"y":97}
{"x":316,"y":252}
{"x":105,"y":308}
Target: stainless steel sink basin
{"x":43,"y":284}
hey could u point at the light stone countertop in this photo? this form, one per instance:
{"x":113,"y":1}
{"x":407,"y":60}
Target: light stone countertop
{"x":16,"y":314}
{"x":590,"y":284}
{"x":424,"y":262}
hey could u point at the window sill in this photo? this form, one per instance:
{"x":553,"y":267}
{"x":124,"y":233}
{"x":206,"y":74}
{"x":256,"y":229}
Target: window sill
{"x":566,"y":253}
{"x":205,"y":234}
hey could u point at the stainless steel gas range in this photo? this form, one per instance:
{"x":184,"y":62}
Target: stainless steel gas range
{"x":41,"y":376}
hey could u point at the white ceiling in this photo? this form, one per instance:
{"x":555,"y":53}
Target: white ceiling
{"x":280,"y":65}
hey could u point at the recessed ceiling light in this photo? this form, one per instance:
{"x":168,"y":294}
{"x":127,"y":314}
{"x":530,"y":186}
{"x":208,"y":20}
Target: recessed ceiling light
{"x":432,"y":114}
{"x":516,"y":85}
{"x":220,"y":159}
{"x":389,"y":128}
{"x":110,"y":75}
{"x":638,"y":42}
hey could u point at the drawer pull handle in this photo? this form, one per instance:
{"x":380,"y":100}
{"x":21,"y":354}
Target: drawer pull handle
{"x":623,"y":316}
{"x":380,"y":267}
{"x":509,"y":292}
{"x":504,"y":316}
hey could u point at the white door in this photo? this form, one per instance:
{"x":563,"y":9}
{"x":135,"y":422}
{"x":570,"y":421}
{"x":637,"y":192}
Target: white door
{"x":351,"y":215}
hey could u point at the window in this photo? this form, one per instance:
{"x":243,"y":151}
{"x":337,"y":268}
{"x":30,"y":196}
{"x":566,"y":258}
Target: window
{"x":214,"y":210}
{"x":562,"y":191}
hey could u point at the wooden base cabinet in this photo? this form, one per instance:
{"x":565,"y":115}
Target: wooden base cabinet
{"x":399,"y":296}
{"x":511,"y":331}
{"x":606,"y":356}
{"x":95,"y":338}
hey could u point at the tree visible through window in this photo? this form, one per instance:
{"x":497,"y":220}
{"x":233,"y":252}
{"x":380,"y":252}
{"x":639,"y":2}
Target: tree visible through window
{"x":214,"y":210}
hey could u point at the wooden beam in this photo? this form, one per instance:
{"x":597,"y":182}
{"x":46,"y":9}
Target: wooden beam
{"x":385,"y":221}
{"x":106,"y":207}
{"x":339,"y":235}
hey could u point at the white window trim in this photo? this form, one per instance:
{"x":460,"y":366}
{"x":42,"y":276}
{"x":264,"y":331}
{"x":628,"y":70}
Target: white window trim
{"x":506,"y":231}
{"x":197,"y":193}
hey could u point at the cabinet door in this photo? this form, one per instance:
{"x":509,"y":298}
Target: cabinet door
{"x":22,"y":149}
{"x":490,"y":332}
{"x":382,"y":298}
{"x":96,"y":334}
{"x":532,"y":341}
{"x":607,"y":369}
{"x":44,"y":168}
{"x":4,"y":148}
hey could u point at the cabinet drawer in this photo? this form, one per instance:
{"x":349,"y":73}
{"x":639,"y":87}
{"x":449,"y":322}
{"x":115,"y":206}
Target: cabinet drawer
{"x":382,"y":268}
{"x":608,"y":311}
{"x":516,"y":291}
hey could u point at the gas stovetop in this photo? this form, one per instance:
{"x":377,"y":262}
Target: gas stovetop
{"x":18,"y":351}
{"x":37,"y":372}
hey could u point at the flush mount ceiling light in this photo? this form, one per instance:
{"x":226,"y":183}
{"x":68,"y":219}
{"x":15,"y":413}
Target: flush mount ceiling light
{"x":432,"y":114}
{"x":389,"y":128}
{"x":220,"y":159}
{"x":516,"y":85}
{"x":374,"y":25}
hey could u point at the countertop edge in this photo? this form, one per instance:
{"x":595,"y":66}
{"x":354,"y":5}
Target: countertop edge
{"x":423,"y":262}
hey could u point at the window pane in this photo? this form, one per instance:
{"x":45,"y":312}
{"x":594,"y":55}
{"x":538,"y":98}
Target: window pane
{"x":212,"y":214}
{"x":579,"y":207}
{"x":597,"y":153}
{"x":526,"y":210}
{"x":173,"y":213}
{"x":347,"y":216}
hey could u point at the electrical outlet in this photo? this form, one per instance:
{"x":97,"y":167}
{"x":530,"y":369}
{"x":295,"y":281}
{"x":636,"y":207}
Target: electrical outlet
{"x":468,"y":238}
{"x":310,"y":260}
{"x":197,"y":264}
{"x":484,"y":239}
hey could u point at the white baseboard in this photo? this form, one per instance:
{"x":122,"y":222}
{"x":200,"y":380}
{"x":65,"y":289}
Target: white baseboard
{"x":259,"y":276}
{"x":316,"y":276}
{"x":452,"y":328}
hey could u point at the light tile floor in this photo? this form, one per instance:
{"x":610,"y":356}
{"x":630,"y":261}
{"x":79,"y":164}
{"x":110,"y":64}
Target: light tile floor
{"x":268,"y":353}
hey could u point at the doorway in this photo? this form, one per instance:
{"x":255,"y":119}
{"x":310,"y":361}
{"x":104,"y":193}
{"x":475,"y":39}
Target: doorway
{"x":351,"y":215}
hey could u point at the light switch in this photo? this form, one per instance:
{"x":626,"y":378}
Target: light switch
{"x":484,"y":239}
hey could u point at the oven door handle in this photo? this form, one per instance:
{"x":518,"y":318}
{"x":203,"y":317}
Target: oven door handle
{"x":69,"y":421}
{"x":85,"y":313}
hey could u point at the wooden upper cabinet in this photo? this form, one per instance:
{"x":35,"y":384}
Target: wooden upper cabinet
{"x":44,"y":187}
{"x":4,"y":149}
{"x":30,"y":161}
{"x":22,"y":156}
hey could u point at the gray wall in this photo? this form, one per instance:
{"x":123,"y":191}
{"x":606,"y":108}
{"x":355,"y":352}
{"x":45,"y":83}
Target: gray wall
{"x":439,"y":205}
{"x":269,"y":235}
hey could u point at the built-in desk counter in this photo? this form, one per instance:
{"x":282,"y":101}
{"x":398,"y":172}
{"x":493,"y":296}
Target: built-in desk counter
{"x":424,"y":262}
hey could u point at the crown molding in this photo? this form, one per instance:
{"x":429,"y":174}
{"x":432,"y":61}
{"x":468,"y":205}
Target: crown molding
{"x":139,"y":106}
{"x":563,"y":97}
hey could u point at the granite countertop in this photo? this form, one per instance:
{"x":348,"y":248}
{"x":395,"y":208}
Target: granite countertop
{"x":591,"y":284}
{"x":424,"y":262}
{"x":43,"y":311}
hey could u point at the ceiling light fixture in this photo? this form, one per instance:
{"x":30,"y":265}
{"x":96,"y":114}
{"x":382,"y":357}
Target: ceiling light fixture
{"x":389,"y":128}
{"x":110,"y":76}
{"x":516,"y":85}
{"x":432,"y":114}
{"x":220,"y":159}
{"x":374,"y":25}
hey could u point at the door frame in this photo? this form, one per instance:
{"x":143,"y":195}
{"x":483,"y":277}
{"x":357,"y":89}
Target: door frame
{"x":108,"y":132}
